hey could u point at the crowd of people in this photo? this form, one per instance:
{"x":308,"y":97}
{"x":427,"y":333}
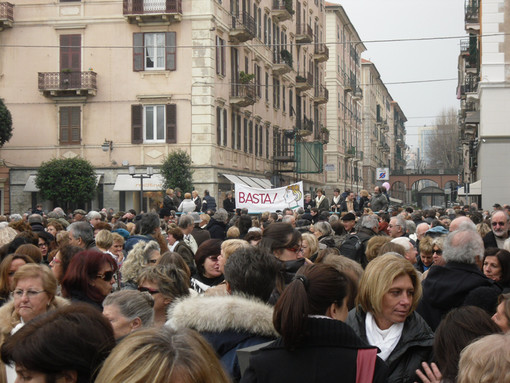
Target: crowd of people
{"x":350,"y":289}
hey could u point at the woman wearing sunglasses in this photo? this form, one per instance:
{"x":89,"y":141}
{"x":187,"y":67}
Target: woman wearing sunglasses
{"x":165,"y":283}
{"x":89,"y":278}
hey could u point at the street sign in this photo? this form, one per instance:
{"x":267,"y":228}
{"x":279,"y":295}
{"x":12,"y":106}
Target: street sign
{"x":383,"y":174}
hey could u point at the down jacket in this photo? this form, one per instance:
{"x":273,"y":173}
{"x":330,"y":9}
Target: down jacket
{"x":413,"y":348}
{"x":227,"y":322}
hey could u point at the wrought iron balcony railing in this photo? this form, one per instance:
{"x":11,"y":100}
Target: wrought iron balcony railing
{"x":67,"y":83}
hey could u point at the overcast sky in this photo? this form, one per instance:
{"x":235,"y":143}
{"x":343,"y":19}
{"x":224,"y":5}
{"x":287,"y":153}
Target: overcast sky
{"x":412,"y":60}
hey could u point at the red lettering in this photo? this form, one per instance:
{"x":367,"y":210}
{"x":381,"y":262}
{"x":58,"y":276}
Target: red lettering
{"x":241,"y":197}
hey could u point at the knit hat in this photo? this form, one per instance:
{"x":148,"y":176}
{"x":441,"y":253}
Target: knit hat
{"x":349,"y":217}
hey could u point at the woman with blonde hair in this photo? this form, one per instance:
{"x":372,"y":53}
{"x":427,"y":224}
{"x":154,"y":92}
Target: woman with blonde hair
{"x":486,"y":361}
{"x":161,"y":356}
{"x":142,"y":255}
{"x":389,"y":292}
{"x":310,"y":246}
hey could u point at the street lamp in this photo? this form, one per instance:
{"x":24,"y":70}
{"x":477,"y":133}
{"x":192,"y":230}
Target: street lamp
{"x":132,"y":173}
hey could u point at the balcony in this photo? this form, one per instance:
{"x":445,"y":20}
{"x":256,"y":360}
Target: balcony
{"x":359,"y":155}
{"x":243,"y":27}
{"x":242,"y":95}
{"x":282,"y":10}
{"x":304,"y":34}
{"x":67,"y":84}
{"x":282,"y":62}
{"x":304,"y":127}
{"x":321,"y":95}
{"x":464,"y":47}
{"x":152,"y":11}
{"x":350,"y":151}
{"x":324,"y":135}
{"x":304,"y":83}
{"x":357,"y":94}
{"x":472,"y":14}
{"x":321,"y":52}
{"x":349,"y":84}
{"x":6,"y":15}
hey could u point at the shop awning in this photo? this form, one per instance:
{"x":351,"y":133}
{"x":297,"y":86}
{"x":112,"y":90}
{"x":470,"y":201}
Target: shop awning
{"x":475,"y":188}
{"x":30,"y":186}
{"x":125,"y":182}
{"x":254,"y":182}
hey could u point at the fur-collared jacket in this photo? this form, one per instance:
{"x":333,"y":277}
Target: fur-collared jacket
{"x":10,"y":319}
{"x":227,"y":322}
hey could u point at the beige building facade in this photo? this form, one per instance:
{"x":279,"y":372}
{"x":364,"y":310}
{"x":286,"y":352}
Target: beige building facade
{"x":344,"y":152}
{"x":237,"y":84}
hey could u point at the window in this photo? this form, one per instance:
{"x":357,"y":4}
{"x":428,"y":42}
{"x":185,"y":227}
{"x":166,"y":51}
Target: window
{"x":260,"y":140}
{"x":267,"y":87}
{"x":154,"y":51}
{"x":276,"y":93}
{"x":245,"y":136}
{"x":238,"y":132}
{"x":265,"y":28}
{"x":220,"y":56}
{"x":283,"y":98}
{"x":218,"y":126}
{"x":225,"y":127}
{"x":257,"y":140}
{"x":154,"y":123}
{"x":267,"y":141}
{"x":258,"y":80}
{"x":70,"y":125}
{"x":233,"y":135}
{"x":291,"y":108}
{"x":250,"y":134}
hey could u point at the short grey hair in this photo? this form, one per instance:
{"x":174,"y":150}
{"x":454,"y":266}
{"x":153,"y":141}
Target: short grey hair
{"x":463,"y":246}
{"x":411,"y":227}
{"x":221,"y":215}
{"x":185,"y":221}
{"x":35,"y":218}
{"x":333,"y":218}
{"x":324,"y":227}
{"x":507,"y":217}
{"x":92,"y":215}
{"x":370,"y":221}
{"x":133,"y":304}
{"x":401,"y":222}
{"x":60,"y":212}
{"x":82,"y":230}
{"x":15,"y":217}
{"x":404,"y":242}
{"x":148,"y":249}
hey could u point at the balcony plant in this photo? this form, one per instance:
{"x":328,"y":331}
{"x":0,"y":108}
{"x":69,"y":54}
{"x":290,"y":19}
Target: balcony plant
{"x":246,"y":78}
{"x":286,"y":57}
{"x":288,"y":6}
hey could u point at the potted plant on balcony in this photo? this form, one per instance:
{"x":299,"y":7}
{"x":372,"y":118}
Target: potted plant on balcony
{"x":288,"y":6}
{"x":286,"y":57}
{"x":65,"y":76}
{"x":246,"y":78}
{"x":325,"y":134}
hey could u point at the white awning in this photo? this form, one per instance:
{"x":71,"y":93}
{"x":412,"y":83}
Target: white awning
{"x":30,"y":186}
{"x":254,"y":182}
{"x":125,"y":182}
{"x":475,"y":188}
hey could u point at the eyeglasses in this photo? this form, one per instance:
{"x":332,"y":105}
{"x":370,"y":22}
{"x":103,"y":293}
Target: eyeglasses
{"x":438,"y":252}
{"x":55,"y":260}
{"x":30,"y":293}
{"x":295,"y":249}
{"x":44,"y":244}
{"x":150,"y":291}
{"x":107,"y":277}
{"x":498,"y":224}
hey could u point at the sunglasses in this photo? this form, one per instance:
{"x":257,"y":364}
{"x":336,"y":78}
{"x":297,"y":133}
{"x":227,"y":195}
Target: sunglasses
{"x":295,"y":249}
{"x":438,"y":252}
{"x":498,"y":224}
{"x":107,"y":277}
{"x":150,"y":291}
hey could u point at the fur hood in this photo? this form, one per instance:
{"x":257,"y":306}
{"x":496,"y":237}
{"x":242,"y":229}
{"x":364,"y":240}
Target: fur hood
{"x":221,"y":313}
{"x":9,"y":319}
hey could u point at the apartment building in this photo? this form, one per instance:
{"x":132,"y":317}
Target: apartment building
{"x":239,"y":85}
{"x":344,"y":153}
{"x":377,"y":120}
{"x":484,"y":96}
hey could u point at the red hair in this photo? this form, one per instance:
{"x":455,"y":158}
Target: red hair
{"x":84,"y":267}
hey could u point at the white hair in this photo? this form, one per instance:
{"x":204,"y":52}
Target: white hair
{"x":403,"y":241}
{"x":463,"y":246}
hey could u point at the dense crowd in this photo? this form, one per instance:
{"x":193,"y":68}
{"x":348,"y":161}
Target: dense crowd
{"x":351,"y":290}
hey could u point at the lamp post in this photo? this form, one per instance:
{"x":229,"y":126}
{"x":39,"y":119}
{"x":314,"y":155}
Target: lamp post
{"x":132,"y":173}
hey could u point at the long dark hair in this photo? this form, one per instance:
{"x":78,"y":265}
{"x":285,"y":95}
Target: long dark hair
{"x":278,"y":236}
{"x":459,"y":328}
{"x":312,"y":292}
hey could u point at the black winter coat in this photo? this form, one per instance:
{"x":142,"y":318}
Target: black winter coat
{"x":327,"y":354}
{"x":447,"y":287}
{"x":413,"y":348}
{"x":217,"y":229}
{"x":490,"y":240}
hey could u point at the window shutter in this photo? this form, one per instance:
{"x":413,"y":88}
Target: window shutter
{"x":138,"y":52}
{"x":225,"y":129}
{"x":64,"y":126}
{"x":136,"y":124}
{"x":170,"y":49}
{"x":171,"y":124}
{"x":75,"y":124}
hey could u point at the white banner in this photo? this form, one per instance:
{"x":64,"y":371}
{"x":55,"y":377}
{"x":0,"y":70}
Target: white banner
{"x":261,"y":200}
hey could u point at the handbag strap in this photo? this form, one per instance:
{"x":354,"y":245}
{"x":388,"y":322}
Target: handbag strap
{"x":365,"y":365}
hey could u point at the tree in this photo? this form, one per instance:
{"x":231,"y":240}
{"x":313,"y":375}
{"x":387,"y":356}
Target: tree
{"x":68,"y":182}
{"x":176,"y":171}
{"x":5,"y":124}
{"x":442,"y":143}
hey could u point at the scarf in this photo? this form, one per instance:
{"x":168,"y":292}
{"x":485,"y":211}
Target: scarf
{"x":319,"y":200}
{"x":386,"y":340}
